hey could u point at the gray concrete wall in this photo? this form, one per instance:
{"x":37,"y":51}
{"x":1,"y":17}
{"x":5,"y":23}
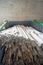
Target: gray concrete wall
{"x":21,"y":9}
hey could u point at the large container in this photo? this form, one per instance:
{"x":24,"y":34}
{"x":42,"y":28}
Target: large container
{"x":37,"y":25}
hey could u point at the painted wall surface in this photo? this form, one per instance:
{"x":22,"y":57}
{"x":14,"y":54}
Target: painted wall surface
{"x":21,"y":10}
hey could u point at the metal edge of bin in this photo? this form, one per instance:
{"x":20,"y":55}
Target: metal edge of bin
{"x":37,"y":26}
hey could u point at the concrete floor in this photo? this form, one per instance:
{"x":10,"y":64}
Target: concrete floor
{"x":21,"y":10}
